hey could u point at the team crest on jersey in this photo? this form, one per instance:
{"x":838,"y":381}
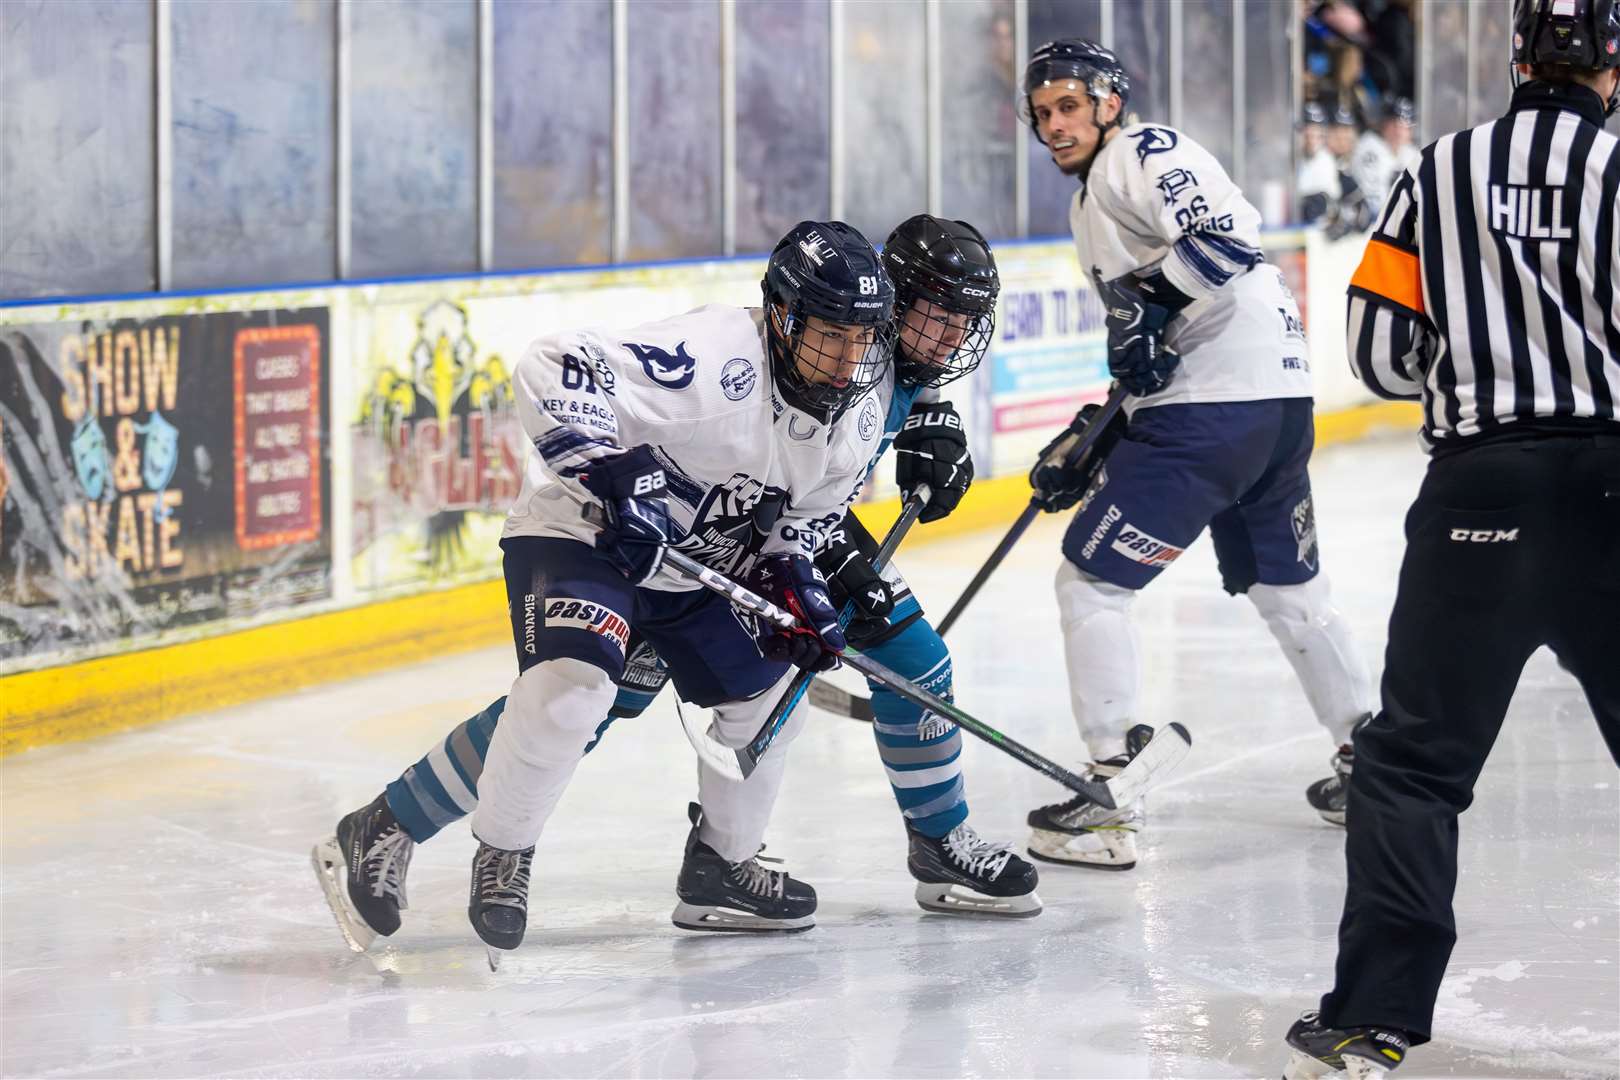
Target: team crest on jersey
{"x":867,"y":422}
{"x":732,"y":521}
{"x":1303,"y":518}
{"x":1153,"y":140}
{"x":1138,"y":546}
{"x":567,"y":613}
{"x":737,"y":378}
{"x":672,"y":372}
{"x":800,"y":436}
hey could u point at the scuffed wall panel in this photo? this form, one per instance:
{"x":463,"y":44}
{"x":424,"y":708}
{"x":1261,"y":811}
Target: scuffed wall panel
{"x":76,"y":152}
{"x":254,"y":127}
{"x":414,"y":88}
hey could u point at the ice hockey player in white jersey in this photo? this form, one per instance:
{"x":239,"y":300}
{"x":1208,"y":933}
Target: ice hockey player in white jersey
{"x":946,"y":285}
{"x":1207,"y":337}
{"x":1384,"y":151}
{"x":726,"y":433}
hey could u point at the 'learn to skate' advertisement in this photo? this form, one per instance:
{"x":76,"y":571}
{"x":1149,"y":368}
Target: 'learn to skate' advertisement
{"x":175,"y":468}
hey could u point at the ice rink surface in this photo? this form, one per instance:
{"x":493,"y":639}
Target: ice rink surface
{"x":160,"y":917}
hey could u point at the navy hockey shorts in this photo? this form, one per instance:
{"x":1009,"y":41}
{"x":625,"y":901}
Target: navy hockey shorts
{"x":565,"y":599}
{"x":1236,"y":467}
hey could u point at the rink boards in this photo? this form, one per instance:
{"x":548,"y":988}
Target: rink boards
{"x":206,"y":499}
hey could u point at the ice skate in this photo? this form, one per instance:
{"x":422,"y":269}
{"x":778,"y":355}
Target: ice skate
{"x":1328,"y":797}
{"x":1361,"y":1053}
{"x":1079,"y":832}
{"x":742,"y":896}
{"x":362,"y":869}
{"x":499,"y":906}
{"x":961,"y":873}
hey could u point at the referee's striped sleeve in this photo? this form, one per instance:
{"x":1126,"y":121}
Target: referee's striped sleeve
{"x":1386,"y":349}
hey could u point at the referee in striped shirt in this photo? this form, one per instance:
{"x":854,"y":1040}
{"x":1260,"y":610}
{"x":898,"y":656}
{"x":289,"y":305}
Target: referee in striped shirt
{"x":1487,"y":291}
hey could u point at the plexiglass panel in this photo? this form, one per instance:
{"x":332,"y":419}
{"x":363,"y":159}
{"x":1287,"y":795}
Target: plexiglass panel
{"x":254,"y":177}
{"x":783,"y":119}
{"x":1050,"y":192}
{"x":674,"y":74}
{"x":1268,"y":144}
{"x":553,"y":132}
{"x":980,"y":79}
{"x":1445,"y":26}
{"x":1142,"y":43}
{"x":1491,"y":52}
{"x":414,"y":137}
{"x":1206,"y":81}
{"x":76,"y":153}
{"x":885,"y":115}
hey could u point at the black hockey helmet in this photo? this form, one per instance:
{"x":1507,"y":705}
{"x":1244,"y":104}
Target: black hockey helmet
{"x":1583,"y":34}
{"x":1313,"y":115}
{"x":827,"y":270}
{"x":945,"y":285}
{"x":1074,"y":60}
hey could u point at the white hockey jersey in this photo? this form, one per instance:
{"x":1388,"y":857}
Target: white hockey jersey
{"x":1156,"y":200}
{"x":747,"y":472}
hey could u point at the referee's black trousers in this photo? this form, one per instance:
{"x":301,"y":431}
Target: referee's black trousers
{"x":1510,"y":546}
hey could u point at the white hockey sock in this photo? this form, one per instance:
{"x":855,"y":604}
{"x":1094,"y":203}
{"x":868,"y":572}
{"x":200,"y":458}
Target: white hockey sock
{"x":551,"y":713}
{"x":1099,"y":648}
{"x":1318,"y":644}
{"x":735,"y":814}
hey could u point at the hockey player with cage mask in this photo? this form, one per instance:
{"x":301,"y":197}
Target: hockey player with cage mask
{"x":1208,"y":340}
{"x":947,"y":287}
{"x":725,"y":432}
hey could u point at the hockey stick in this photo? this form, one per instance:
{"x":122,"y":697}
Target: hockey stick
{"x":725,"y":759}
{"x":859,"y":707}
{"x":1093,"y":432}
{"x":748,"y":757}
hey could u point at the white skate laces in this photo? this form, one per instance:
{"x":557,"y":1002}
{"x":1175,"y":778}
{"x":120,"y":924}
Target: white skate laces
{"x":976,"y":855}
{"x":503,"y":879}
{"x":386,"y":862}
{"x":758,"y":880}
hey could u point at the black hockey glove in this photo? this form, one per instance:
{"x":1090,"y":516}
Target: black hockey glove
{"x":1138,"y":309}
{"x":850,"y":578}
{"x":932,"y":449}
{"x":1058,"y":482}
{"x":634,"y":493}
{"x":793,"y":583}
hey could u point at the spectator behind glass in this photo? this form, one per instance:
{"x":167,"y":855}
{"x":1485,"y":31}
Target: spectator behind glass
{"x":1381,"y":153}
{"x":1318,"y":178}
{"x":1391,"y":52}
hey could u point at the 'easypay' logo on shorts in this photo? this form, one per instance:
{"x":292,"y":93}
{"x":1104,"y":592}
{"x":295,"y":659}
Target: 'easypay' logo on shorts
{"x":566,"y":613}
{"x":1135,"y":544}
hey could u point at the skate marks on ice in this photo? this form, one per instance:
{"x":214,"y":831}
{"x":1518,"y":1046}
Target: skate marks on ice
{"x":159,"y":916}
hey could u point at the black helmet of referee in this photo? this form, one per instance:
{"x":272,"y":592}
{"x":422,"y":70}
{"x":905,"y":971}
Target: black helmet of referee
{"x":945,"y":285}
{"x":1583,"y":35}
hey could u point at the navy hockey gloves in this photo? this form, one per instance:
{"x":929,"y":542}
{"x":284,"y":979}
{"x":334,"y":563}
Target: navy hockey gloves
{"x":1138,"y":309}
{"x":850,"y":577}
{"x":633,"y":491}
{"x":1058,"y":482}
{"x":793,"y":583}
{"x":932,"y":449}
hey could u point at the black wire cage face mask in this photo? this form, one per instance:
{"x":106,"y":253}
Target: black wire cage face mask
{"x":827,"y":366}
{"x":937,"y":345}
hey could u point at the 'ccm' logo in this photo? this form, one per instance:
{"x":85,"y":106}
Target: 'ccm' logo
{"x":1484,"y":536}
{"x":646,"y":485}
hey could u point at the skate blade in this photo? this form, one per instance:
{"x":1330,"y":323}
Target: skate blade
{"x":734,"y":920}
{"x":950,"y":899}
{"x":1332,"y":817}
{"x":1054,"y":847}
{"x":1357,"y":1067}
{"x":493,"y":956}
{"x":1302,"y":1066}
{"x":332,"y":871}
